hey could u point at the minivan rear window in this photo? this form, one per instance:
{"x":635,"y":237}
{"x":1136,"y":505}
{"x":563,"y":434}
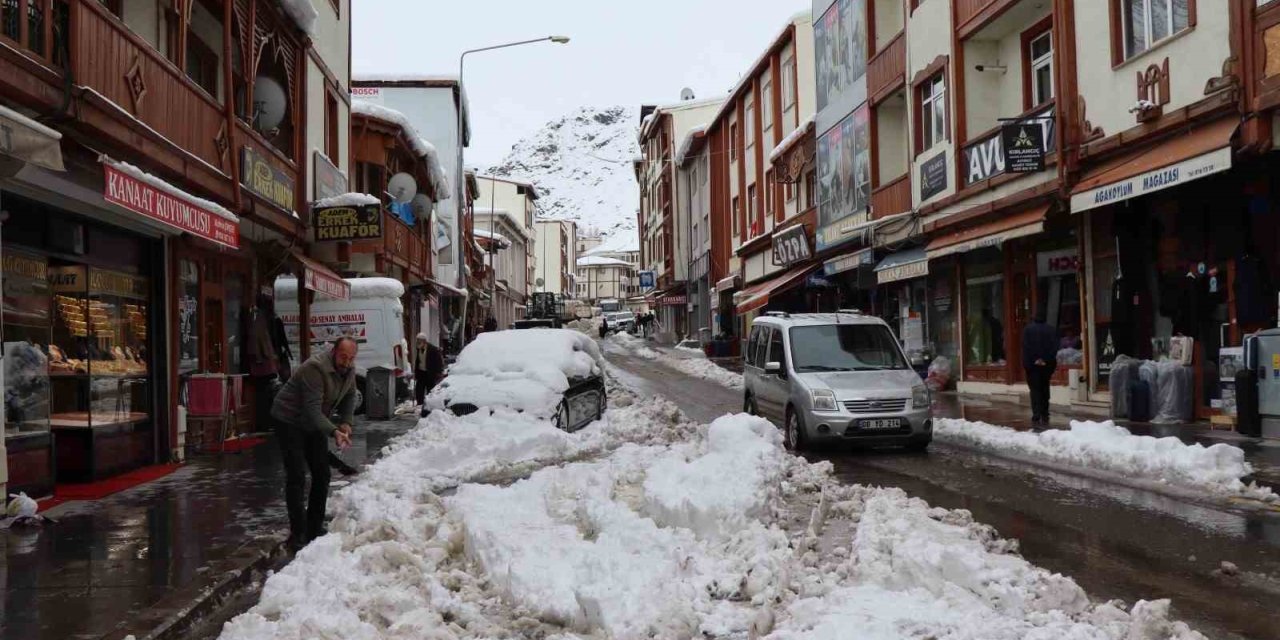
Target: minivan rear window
{"x":844,"y":347}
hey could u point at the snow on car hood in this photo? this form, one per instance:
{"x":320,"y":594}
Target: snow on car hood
{"x":524,"y":369}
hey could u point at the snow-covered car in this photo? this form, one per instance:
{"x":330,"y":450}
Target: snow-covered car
{"x":556,"y":374}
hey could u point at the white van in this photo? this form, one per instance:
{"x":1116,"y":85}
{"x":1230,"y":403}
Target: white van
{"x":374,"y":316}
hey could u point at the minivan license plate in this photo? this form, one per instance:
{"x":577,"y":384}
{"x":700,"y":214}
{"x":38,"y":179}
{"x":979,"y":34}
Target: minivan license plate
{"x":881,"y":424}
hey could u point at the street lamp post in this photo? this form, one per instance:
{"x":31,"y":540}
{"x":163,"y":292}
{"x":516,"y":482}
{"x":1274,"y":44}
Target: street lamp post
{"x":461,"y":180}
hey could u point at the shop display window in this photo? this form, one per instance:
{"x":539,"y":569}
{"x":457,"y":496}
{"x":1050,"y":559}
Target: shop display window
{"x":27,"y":301}
{"x":98,"y":352}
{"x":944,"y":334}
{"x":984,"y":313}
{"x":188,"y":316}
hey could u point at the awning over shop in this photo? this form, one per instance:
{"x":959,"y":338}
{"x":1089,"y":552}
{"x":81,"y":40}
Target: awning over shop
{"x":849,"y":261}
{"x":1200,"y":152}
{"x":29,"y":141}
{"x":321,"y":279}
{"x":992,"y":234}
{"x":903,"y":265}
{"x":757,"y":295}
{"x":728,"y":283}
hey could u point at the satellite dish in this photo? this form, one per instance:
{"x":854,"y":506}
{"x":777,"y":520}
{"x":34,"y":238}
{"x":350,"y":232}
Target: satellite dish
{"x":539,"y":282}
{"x":402,"y":187}
{"x":686,"y":94}
{"x":269,"y":103}
{"x":422,"y":206}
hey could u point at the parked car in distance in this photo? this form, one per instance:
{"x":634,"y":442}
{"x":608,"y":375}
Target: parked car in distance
{"x":621,"y":321}
{"x":556,"y":374}
{"x":835,"y":377}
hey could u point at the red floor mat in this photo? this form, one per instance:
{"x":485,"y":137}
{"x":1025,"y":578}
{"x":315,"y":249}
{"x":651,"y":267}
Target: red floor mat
{"x":103,"y":488}
{"x":235,"y":446}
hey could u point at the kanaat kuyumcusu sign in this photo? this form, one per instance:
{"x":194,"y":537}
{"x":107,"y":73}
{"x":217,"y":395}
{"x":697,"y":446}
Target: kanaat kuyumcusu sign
{"x":348,"y":223}
{"x":185,"y":215}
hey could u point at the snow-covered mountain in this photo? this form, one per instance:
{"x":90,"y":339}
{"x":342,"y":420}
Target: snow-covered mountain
{"x":581,"y":164}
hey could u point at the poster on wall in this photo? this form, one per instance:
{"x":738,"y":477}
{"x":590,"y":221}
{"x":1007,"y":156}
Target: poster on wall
{"x":933,"y":176}
{"x":840,"y":38}
{"x":844,"y":168}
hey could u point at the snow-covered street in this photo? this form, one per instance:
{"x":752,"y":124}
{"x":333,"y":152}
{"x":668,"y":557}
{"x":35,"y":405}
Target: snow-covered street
{"x":649,"y":524}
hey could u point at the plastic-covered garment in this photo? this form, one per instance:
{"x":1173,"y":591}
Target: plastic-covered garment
{"x":1174,"y":392}
{"x":1148,"y":372}
{"x":939,"y":377}
{"x":1123,"y":371}
{"x":1070,"y":356}
{"x":21,"y":506}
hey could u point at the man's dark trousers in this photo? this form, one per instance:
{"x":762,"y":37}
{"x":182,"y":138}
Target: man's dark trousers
{"x":1038,"y":383}
{"x":304,"y":451}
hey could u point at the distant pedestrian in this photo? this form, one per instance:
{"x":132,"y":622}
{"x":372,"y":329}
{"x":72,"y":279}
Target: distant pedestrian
{"x":322,"y":386}
{"x":490,"y":324}
{"x":1039,"y":359}
{"x":604,"y":326}
{"x":428,"y":367}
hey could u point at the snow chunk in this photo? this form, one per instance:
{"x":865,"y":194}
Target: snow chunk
{"x":347,"y":200}
{"x":693,"y":364}
{"x":303,"y":13}
{"x":143,"y":176}
{"x":527,"y":370}
{"x":1107,"y":447}
{"x":686,"y":144}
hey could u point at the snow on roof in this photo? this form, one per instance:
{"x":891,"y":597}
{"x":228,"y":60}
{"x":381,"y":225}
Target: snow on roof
{"x":405,"y":77}
{"x":601,"y":261}
{"x":533,"y":188}
{"x":360,"y":287}
{"x":139,"y":174}
{"x":391,"y":116}
{"x":347,"y":200}
{"x":502,"y":240}
{"x":304,"y":14}
{"x":689,"y":138}
{"x":791,"y":139}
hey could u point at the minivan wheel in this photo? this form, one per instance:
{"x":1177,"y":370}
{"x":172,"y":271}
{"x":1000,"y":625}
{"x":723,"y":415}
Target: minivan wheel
{"x":749,"y":406}
{"x":796,"y":439}
{"x":920,"y":445}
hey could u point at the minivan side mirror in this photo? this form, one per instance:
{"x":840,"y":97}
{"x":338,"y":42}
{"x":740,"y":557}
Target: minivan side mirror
{"x":773,"y":368}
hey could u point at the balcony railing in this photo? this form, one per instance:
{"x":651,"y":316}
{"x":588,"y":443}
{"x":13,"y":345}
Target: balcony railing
{"x":115,"y":62}
{"x":967,"y":10}
{"x":887,"y":70}
{"x":403,"y":246}
{"x":892,"y":197}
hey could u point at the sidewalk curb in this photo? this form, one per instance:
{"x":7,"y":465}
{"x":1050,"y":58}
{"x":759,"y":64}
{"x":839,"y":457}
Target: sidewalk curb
{"x":173,"y":615}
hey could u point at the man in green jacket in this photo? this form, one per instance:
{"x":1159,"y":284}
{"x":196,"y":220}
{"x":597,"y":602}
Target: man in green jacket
{"x":322,"y":386}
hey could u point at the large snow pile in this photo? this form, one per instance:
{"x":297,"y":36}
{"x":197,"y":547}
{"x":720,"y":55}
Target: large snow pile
{"x":527,"y":370}
{"x":582,"y":165}
{"x":691,"y":364}
{"x":1104,"y":446}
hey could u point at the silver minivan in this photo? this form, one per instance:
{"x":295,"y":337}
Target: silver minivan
{"x":835,"y":377}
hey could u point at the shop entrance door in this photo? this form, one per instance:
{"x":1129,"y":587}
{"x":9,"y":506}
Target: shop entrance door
{"x":1021,"y":304}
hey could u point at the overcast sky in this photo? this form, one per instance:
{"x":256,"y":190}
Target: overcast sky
{"x":621,"y":53}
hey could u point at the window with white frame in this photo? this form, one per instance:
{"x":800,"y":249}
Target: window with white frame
{"x":705,"y":171}
{"x":737,"y":217}
{"x":933,"y":112}
{"x":766,"y":105}
{"x":749,"y":126}
{"x":1040,"y":53}
{"x":752,"y":208}
{"x":1147,"y":22}
{"x":788,"y":82}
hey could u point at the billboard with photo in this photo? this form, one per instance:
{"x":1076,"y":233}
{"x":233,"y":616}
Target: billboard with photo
{"x":840,"y":39}
{"x":844,"y":170}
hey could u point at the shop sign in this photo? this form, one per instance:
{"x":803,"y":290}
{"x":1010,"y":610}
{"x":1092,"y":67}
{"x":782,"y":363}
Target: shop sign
{"x":1063,"y":262}
{"x":348,"y":223}
{"x":20,"y":266}
{"x":1152,"y":181}
{"x":673,"y":301}
{"x":368,"y":94}
{"x":942,"y":296}
{"x":1023,"y":146}
{"x":262,"y":178}
{"x":917,"y":269}
{"x":988,"y":157}
{"x":117,"y":284}
{"x":330,"y":181}
{"x":848,"y":262}
{"x":790,"y":246}
{"x":647,"y":280}
{"x":933,"y":176}
{"x":67,"y":279}
{"x":327,"y":327}
{"x":26,"y":289}
{"x":143,"y":198}
{"x":326,"y":284}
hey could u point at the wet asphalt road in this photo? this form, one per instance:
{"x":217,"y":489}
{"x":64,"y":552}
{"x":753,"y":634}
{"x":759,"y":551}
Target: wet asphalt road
{"x":1115,"y":541}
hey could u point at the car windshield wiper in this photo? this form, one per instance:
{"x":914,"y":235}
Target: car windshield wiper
{"x":823,"y":367}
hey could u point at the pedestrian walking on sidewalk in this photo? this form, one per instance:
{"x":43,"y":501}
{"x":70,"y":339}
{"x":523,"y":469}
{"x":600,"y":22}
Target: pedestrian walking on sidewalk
{"x":428,"y":367}
{"x":604,"y":327}
{"x":1039,"y":359}
{"x":321,"y":387}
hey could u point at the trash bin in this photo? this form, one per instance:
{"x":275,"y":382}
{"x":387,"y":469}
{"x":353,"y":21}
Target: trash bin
{"x":379,"y":394}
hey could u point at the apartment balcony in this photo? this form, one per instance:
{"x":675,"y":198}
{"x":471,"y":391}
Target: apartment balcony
{"x":887,"y":70}
{"x":892,"y":197}
{"x":974,"y":15}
